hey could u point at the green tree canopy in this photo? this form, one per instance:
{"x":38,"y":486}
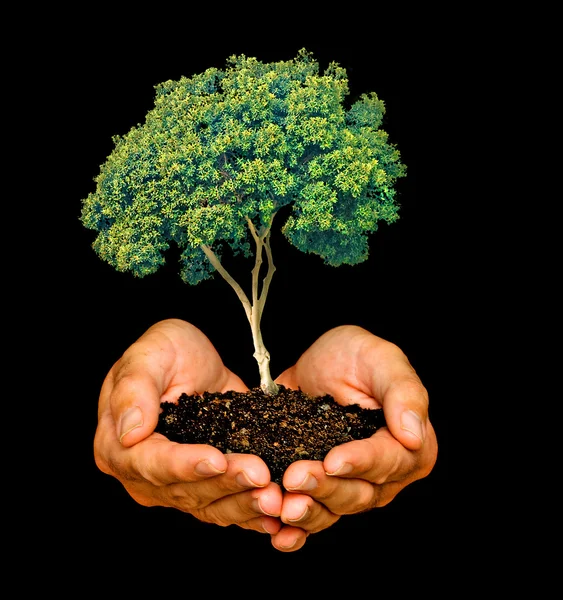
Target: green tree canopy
{"x":222,"y":152}
{"x":226,"y":149}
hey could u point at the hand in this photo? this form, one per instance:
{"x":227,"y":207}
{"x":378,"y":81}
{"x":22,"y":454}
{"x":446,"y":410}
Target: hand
{"x":355,"y":366}
{"x":170,"y":358}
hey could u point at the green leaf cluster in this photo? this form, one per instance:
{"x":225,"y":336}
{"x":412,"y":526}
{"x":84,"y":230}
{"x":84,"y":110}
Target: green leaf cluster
{"x":237,"y":144}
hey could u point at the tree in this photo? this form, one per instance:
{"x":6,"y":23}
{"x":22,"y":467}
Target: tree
{"x":222,"y":152}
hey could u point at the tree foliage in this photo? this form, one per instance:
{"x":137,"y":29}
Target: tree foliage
{"x":221,"y":152}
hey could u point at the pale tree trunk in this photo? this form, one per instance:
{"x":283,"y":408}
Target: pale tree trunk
{"x":254,"y":309}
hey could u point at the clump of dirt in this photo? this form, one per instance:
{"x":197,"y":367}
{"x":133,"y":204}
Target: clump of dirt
{"x":280,"y":429}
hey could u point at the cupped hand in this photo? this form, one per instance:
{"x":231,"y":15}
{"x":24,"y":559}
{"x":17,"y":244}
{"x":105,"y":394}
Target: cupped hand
{"x":355,"y":366}
{"x":172,"y":357}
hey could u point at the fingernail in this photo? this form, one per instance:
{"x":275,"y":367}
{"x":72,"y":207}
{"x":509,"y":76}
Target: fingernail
{"x":308,"y":484}
{"x":300,"y":518}
{"x":244,"y":480}
{"x":132,"y":419}
{"x":206,"y":469}
{"x":270,"y":527}
{"x":258,"y":508}
{"x":411,"y":422}
{"x":288,"y":546}
{"x":343,"y":469}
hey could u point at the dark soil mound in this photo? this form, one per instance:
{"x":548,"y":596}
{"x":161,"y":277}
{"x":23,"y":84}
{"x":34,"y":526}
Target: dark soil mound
{"x":279,"y":429}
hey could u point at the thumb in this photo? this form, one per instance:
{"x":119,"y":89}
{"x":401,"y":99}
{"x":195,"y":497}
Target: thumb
{"x":135,"y":405}
{"x":405,"y":406}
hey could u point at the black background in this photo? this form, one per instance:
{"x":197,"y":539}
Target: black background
{"x":96,"y":80}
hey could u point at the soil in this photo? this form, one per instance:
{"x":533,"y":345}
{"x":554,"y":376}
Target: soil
{"x":280,"y":429}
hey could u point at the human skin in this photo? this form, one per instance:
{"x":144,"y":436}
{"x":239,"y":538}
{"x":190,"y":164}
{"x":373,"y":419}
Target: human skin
{"x":355,"y":366}
{"x":174,"y":357}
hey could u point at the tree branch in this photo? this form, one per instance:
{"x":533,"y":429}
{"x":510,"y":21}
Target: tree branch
{"x":257,"y":262}
{"x":224,"y":273}
{"x":271,"y":269}
{"x":262,"y":242}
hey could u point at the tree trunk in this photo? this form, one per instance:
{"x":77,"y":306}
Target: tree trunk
{"x":262,"y":356}
{"x":255,"y":309}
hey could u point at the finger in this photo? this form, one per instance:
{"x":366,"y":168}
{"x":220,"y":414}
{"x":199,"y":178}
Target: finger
{"x":146,"y":474}
{"x":301,"y":510}
{"x":338,"y":496}
{"x":134,"y":402}
{"x":385,"y":373}
{"x":256,"y":509}
{"x":378,"y":459}
{"x":245,"y":472}
{"x":133,"y":390}
{"x":162,"y":462}
{"x":248,"y":509}
{"x":156,"y":460}
{"x":289,"y":539}
{"x":405,"y":403}
{"x":357,"y":476}
{"x":262,"y":525}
